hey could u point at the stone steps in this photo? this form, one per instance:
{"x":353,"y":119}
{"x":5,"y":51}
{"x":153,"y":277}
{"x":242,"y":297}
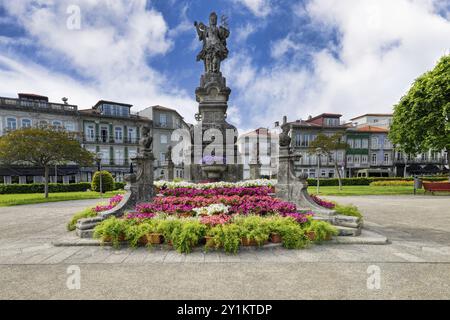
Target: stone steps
{"x":347,"y":226}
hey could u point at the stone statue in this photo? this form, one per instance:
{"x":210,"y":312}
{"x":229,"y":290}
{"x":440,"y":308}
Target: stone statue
{"x":147,"y":139}
{"x":214,"y":49}
{"x":169,"y":154}
{"x":285,"y":140}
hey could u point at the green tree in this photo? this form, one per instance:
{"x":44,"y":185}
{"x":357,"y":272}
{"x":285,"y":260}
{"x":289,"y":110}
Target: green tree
{"x":329,"y":146}
{"x":42,"y":147}
{"x":421,"y":118}
{"x":107,"y":181}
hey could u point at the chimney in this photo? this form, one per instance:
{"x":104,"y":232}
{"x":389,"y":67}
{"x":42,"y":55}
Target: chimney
{"x":309,"y":117}
{"x":284,"y":119}
{"x":277,"y":124}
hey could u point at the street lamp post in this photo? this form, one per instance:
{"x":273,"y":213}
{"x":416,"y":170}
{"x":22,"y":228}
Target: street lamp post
{"x":98,"y":159}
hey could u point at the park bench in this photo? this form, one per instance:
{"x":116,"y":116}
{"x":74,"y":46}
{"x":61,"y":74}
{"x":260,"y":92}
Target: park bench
{"x":436,"y":187}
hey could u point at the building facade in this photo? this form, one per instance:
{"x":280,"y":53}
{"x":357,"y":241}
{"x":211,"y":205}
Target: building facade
{"x":304,"y":132}
{"x":108,"y":128}
{"x":259,"y":145}
{"x":165,"y":122}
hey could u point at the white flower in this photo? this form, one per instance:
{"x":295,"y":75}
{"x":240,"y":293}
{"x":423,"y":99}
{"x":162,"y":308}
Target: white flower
{"x":214,"y":185}
{"x":216,"y":208}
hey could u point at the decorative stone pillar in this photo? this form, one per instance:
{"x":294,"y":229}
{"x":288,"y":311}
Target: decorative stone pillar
{"x":170,"y":164}
{"x":289,"y":187}
{"x":255,"y":170}
{"x":139,"y":188}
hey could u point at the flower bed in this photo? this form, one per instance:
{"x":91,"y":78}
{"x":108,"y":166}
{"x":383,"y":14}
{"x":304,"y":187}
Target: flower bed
{"x":260,"y":205}
{"x":323,"y":203}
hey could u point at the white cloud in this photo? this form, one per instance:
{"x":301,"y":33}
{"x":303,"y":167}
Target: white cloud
{"x":243,"y":32}
{"x":260,"y":8}
{"x":111,"y":49}
{"x":280,"y":47}
{"x":384,"y":46}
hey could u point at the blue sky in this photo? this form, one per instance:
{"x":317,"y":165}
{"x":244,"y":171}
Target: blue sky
{"x":299,"y":57}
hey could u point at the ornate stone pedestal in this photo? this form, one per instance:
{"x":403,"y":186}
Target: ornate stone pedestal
{"x":255,"y":170}
{"x":293,"y":189}
{"x":213,"y":129}
{"x":139,"y":188}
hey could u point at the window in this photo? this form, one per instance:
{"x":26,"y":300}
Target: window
{"x":358,"y":144}
{"x":26,"y":123}
{"x":364,"y":159}
{"x":118,"y":159}
{"x":374,"y":158}
{"x":312,"y":173}
{"x":118,"y":134}
{"x":163,"y":120}
{"x":90,"y":132}
{"x":43,"y":123}
{"x":340,"y":156}
{"x":163,"y":139}
{"x":374,"y":143}
{"x":357,"y":158}
{"x":131,"y":135}
{"x":350,"y":143}
{"x":69,"y":126}
{"x":162,"y":157}
{"x":365,"y":143}
{"x":11,"y":123}
{"x":349,"y":159}
{"x":323,"y":173}
{"x":305,"y":141}
{"x":104,"y":134}
{"x":298,"y":139}
{"x":57,"y":123}
{"x":386,"y":158}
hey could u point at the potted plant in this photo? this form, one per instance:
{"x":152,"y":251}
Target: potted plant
{"x":111,"y":230}
{"x":227,"y":236}
{"x":254,"y":230}
{"x":319,"y":231}
{"x":188,"y":235}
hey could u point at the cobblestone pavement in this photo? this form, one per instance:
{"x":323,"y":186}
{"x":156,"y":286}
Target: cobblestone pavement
{"x":415,"y":265}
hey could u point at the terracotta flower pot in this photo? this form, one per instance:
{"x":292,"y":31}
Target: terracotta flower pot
{"x":155,"y":238}
{"x":311,"y":235}
{"x":185,"y":215}
{"x":246,"y":242}
{"x":275,"y":238}
{"x":143,"y":241}
{"x":209,"y":242}
{"x":109,"y":238}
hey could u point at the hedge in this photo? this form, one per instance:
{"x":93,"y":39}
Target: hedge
{"x":366,"y":181}
{"x":52,"y":187}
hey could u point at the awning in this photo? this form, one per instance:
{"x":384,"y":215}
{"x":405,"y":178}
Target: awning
{"x":414,"y":169}
{"x":431,"y":168}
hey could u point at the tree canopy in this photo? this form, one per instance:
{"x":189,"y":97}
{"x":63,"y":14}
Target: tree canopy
{"x":421,"y":118}
{"x":42,"y":147}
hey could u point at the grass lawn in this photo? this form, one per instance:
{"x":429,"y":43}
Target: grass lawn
{"x":364,"y":190}
{"x":30,"y":198}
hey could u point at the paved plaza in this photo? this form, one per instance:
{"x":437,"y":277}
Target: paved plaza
{"x":416,"y":263}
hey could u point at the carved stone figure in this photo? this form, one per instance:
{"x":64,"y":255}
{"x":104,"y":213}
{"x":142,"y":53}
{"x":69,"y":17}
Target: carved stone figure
{"x":146,"y":140}
{"x":214,"y":49}
{"x":285,"y":140}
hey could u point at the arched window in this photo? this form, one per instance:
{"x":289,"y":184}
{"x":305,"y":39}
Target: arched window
{"x":57,"y":123}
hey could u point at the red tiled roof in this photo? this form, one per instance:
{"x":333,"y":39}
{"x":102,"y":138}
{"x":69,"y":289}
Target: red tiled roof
{"x":372,"y":129}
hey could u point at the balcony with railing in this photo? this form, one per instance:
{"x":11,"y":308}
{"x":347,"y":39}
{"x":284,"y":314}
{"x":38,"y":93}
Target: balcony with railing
{"x":108,"y":139}
{"x":37,"y":105}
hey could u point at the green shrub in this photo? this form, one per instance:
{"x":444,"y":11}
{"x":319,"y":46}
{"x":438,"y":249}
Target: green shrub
{"x":167,"y":228}
{"x":107,"y":181}
{"x":254,"y":228}
{"x":188,"y":235}
{"x":227,"y":236}
{"x":349,"y":210}
{"x":119,"y":185}
{"x":86,"y":213}
{"x":290,"y":231}
{"x":112,"y":229}
{"x":39,"y":187}
{"x":323,"y":230}
{"x":135,"y":231}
